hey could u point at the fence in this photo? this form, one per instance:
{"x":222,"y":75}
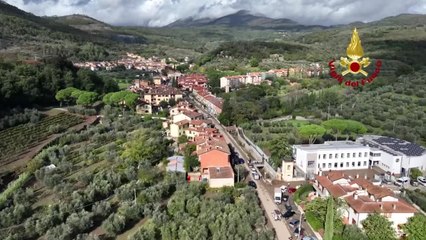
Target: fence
{"x":259,"y":154}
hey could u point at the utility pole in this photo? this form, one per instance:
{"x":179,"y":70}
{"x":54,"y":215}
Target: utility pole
{"x":238,"y":170}
{"x":134,"y":191}
{"x":300,"y":226}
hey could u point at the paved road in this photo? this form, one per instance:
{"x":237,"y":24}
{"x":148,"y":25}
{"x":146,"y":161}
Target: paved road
{"x":280,"y":227}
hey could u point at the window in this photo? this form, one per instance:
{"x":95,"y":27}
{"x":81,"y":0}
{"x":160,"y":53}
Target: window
{"x":336,"y":155}
{"x":324,"y":156}
{"x":359,"y":154}
{"x":319,"y":165}
{"x":330,"y":156}
{"x":341,"y":165}
{"x":347,"y":164}
{"x":397,"y":160}
{"x":365,"y":163}
{"x":329,"y":165}
{"x":353,"y":164}
{"x":342,"y":155}
{"x":348,"y":155}
{"x":365,"y":154}
{"x":359,"y":164}
{"x":354,"y":155}
{"x":288,"y":167}
{"x":319,"y":156}
{"x":335,"y":165}
{"x":323,"y":165}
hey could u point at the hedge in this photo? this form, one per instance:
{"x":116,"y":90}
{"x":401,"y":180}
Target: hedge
{"x":313,"y":221}
{"x":302,"y":192}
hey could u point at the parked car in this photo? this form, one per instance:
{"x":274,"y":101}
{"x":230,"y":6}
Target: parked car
{"x":401,"y":181}
{"x":296,"y":232}
{"x":288,"y":206}
{"x":421,"y":180}
{"x":276,"y":214}
{"x":288,"y":214}
{"x":255,"y":176}
{"x":294,"y":223}
{"x":291,"y":190}
{"x":285,"y":198}
{"x":252,"y":184}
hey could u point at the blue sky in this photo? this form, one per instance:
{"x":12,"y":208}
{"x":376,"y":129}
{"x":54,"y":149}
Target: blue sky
{"x":163,"y":12}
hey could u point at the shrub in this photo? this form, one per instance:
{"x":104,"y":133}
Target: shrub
{"x":313,"y":221}
{"x":302,"y":192}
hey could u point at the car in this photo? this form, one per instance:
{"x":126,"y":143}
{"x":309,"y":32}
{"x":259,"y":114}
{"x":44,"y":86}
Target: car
{"x":288,"y":214}
{"x":421,"y":180}
{"x":256,"y":176}
{"x":252,"y":184}
{"x":296,"y":231}
{"x":294,"y":223}
{"x":288,"y":206}
{"x":253,"y":169}
{"x":401,"y":181}
{"x":285,"y":198}
{"x":414,"y":183}
{"x":291,"y":190}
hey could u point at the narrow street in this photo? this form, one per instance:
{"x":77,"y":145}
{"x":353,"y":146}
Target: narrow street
{"x":268,"y":204}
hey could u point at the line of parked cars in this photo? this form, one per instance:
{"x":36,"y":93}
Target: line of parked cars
{"x":404,"y":180}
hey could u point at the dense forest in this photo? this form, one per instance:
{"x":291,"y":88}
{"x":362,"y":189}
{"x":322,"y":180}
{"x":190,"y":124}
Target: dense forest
{"x":29,"y":84}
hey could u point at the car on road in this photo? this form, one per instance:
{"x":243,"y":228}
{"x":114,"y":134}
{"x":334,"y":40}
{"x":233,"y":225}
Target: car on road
{"x":255,"y":176}
{"x":288,"y":214}
{"x":276,"y":214}
{"x":296,"y":232}
{"x":414,"y":183}
{"x":291,"y":190}
{"x":401,"y":181}
{"x":252,"y":184}
{"x":285,"y":198}
{"x":294,"y":223}
{"x":288,"y":206}
{"x":421,"y":180}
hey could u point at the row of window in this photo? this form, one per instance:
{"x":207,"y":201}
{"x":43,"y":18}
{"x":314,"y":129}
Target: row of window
{"x":342,"y":155}
{"x":342,"y":164}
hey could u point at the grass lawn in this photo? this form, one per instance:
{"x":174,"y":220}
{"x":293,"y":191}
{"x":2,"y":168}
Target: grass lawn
{"x":123,"y":85}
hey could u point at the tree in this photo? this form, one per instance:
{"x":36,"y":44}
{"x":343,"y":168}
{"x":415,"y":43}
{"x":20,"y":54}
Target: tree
{"x":415,"y":227}
{"x":352,"y":232}
{"x":312,"y":132}
{"x":172,"y":102}
{"x":329,"y":222}
{"x":415,"y":173}
{"x":182,"y":139}
{"x":87,"y":98}
{"x":254,"y":62}
{"x":190,"y":160}
{"x":378,"y":227}
{"x":339,"y":126}
{"x":164,"y":104}
{"x":64,"y":95}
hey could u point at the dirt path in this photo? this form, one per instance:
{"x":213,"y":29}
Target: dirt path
{"x":131,"y":231}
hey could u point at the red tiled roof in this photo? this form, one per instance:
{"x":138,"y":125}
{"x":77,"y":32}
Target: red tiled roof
{"x":334,"y":189}
{"x":365,"y":205}
{"x":213,"y":145}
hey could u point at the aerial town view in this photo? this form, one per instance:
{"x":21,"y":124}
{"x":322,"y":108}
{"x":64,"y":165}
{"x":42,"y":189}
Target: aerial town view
{"x":212,"y":120}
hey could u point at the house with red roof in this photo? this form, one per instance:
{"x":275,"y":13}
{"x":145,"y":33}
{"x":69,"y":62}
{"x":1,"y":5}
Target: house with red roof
{"x":362,"y":198}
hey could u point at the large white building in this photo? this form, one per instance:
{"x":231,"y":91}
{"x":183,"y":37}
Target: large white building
{"x":392,"y":155}
{"x":333,"y":155}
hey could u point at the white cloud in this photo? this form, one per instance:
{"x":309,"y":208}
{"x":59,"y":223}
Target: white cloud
{"x":163,"y":12}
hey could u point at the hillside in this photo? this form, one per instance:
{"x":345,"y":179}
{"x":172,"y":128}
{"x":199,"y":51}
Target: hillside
{"x":242,"y":19}
{"x":83,"y":22}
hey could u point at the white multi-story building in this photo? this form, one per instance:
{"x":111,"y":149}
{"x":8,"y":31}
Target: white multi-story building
{"x":333,"y":155}
{"x":394,"y":155}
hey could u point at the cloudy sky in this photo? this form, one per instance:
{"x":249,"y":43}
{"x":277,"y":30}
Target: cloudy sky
{"x":163,"y":12}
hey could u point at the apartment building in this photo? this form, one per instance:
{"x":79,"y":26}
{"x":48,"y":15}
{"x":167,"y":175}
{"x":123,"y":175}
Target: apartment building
{"x":333,"y":155}
{"x":161,"y":93}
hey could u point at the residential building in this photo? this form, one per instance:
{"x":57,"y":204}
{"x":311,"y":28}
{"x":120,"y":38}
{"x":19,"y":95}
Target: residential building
{"x":177,"y":129}
{"x":362,"y":198}
{"x":161,"y":93}
{"x":187,"y":82}
{"x":220,"y":177}
{"x":213,"y":153}
{"x":187,"y":115}
{"x":211,"y":103}
{"x":394,"y":155}
{"x":332,"y":155}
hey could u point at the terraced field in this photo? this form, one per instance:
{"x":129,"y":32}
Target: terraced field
{"x":16,"y":140}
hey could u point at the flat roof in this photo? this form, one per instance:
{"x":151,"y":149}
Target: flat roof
{"x":331,"y":145}
{"x":396,"y":145}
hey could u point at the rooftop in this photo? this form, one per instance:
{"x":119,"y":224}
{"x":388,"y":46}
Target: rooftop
{"x":331,"y":145}
{"x":397,"y":145}
{"x":221,"y":172}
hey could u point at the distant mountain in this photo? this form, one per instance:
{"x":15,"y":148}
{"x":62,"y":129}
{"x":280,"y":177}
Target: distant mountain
{"x":242,"y":19}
